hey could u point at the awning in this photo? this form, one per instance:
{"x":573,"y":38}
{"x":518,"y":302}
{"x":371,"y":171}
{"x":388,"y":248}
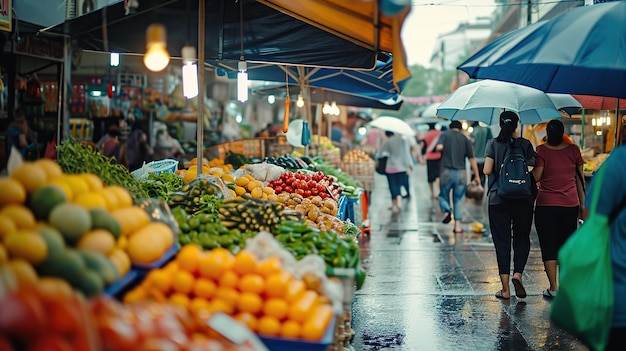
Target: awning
{"x":357,"y":21}
{"x":269,"y":35}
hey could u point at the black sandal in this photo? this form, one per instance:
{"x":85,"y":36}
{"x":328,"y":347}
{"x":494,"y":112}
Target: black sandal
{"x":520,"y":292}
{"x":499,"y":295}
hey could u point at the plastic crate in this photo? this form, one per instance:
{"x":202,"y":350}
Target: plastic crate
{"x":120,"y":287}
{"x":280,"y":344}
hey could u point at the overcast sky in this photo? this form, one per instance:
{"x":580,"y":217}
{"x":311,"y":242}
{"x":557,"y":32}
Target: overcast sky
{"x":428,"y":19}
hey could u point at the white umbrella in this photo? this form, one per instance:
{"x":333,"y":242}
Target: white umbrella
{"x":484,"y":100}
{"x":392,"y":124}
{"x":430,"y":110}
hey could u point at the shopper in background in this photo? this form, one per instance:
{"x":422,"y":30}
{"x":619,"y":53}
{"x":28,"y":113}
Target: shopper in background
{"x":611,"y":203}
{"x":399,"y":165}
{"x":137,"y":150}
{"x":20,"y":135}
{"x":111,"y":147}
{"x":455,"y":147}
{"x":166,"y":146}
{"x":433,"y":158}
{"x":509,"y":214}
{"x":559,"y":170}
{"x":479,"y":136}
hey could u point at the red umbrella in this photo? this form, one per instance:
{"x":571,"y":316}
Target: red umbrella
{"x":599,"y":102}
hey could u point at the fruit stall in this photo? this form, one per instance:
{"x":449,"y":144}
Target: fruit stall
{"x":252,"y":256}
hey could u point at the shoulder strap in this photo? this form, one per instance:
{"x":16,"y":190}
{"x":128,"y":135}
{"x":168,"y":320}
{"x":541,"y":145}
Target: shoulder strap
{"x":596,"y":189}
{"x":496,"y":170}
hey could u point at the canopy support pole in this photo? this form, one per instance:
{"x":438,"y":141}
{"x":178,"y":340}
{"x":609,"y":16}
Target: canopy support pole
{"x":617,"y":124}
{"x":318,"y":118}
{"x":201,"y":87}
{"x":582,"y":132}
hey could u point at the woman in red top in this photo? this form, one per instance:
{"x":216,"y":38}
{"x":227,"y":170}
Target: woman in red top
{"x":559,"y":169}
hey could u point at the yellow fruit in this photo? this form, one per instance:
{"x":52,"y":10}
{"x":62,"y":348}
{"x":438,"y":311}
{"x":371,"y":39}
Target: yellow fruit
{"x":131,"y":219}
{"x":64,"y":185}
{"x":190,"y":175}
{"x":252,"y":185}
{"x":26,"y":244}
{"x":31,"y":176}
{"x":256,"y":193}
{"x":20,"y":215}
{"x":11,"y":192}
{"x":110,"y":198}
{"x":120,"y":260}
{"x":91,"y":200}
{"x":6,"y":226}
{"x":54,"y":287}
{"x":159,"y":279}
{"x":228,"y":178}
{"x":144,"y":247}
{"x":242,"y":181}
{"x":179,"y":299}
{"x":98,"y":240}
{"x":232,"y":193}
{"x":267,"y":190}
{"x":272,"y":197}
{"x":50,"y":167}
{"x":124,"y":199}
{"x":4,"y":254}
{"x":78,"y":184}
{"x":188,"y":257}
{"x":93,"y":181}
{"x":23,"y":271}
{"x":240,"y":190}
{"x":183,"y":282}
{"x":122,"y":242}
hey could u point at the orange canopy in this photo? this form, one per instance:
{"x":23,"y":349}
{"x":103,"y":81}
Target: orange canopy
{"x":359,"y":21}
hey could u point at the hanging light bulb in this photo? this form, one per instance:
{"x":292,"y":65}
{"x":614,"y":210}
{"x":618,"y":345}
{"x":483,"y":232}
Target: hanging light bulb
{"x":242,"y":82}
{"x":335,"y":108}
{"x":156,"y":57}
{"x":271,"y":99}
{"x":326,"y":109}
{"x":115,"y":59}
{"x":190,"y":72}
{"x":300,"y":101}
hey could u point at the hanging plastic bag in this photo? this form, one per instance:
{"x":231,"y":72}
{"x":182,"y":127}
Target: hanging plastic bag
{"x":584,"y":304}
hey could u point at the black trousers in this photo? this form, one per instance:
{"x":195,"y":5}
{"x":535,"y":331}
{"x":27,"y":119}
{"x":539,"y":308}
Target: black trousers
{"x":511,"y":221}
{"x":617,"y":339}
{"x":554,"y":226}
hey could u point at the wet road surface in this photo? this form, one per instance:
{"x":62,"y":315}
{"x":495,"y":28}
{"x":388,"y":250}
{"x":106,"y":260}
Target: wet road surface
{"x":428,"y":288}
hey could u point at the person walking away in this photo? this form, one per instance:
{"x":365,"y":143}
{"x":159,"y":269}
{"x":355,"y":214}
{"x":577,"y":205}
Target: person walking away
{"x":138,"y":150}
{"x":479,"y":136}
{"x":611,"y":203}
{"x":559,"y":170}
{"x":399,"y":165}
{"x":509,"y":214}
{"x":414,"y":152}
{"x":167,"y":146}
{"x":454,"y":147}
{"x":433,"y":158}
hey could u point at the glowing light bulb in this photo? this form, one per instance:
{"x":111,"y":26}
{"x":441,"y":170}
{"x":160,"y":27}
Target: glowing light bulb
{"x":300,"y":101}
{"x":156,"y":57}
{"x":115,"y":59}
{"x":190,"y":72}
{"x":242,"y":82}
{"x":271,"y":99}
{"x":326,"y":109}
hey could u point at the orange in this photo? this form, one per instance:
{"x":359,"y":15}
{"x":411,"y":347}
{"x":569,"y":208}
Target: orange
{"x":229,"y":279}
{"x":156,"y":295}
{"x":245,"y":263}
{"x":160,"y":279}
{"x":171,"y":267}
{"x":124,"y":199}
{"x":11,"y":191}
{"x":248,"y":319}
{"x":183,"y":282}
{"x":277,"y":308}
{"x":214,"y":263}
{"x":50,"y":167}
{"x":228,"y":295}
{"x":276,"y":284}
{"x":268,"y":326}
{"x":253,"y":283}
{"x":137,"y":294}
{"x":20,"y":215}
{"x":23,"y":271}
{"x":204,"y":288}
{"x":180,"y":299}
{"x":270,"y":266}
{"x":6,"y":226}
{"x":31,"y":176}
{"x":218,"y":305}
{"x":91,"y":200}
{"x":290,"y":329}
{"x":188,"y":257}
{"x":295,"y":289}
{"x":250,"y":303}
{"x":199,"y":304}
{"x":93,"y":181}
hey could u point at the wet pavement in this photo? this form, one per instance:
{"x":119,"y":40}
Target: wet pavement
{"x":428,"y":288}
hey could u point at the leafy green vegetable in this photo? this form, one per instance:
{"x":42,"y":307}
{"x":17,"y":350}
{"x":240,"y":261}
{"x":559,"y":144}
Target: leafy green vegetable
{"x":75,"y":157}
{"x":161,"y":185}
{"x":210,"y":204}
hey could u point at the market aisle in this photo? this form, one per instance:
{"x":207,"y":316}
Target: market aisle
{"x":430,"y":289}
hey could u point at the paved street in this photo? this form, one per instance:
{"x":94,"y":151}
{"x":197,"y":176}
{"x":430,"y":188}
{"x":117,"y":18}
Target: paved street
{"x":430,"y":289}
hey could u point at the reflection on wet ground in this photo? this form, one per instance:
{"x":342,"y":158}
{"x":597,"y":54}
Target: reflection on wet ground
{"x":428,"y":288}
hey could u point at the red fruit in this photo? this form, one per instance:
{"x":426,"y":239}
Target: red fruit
{"x":63,"y":316}
{"x":307,"y":193}
{"x":300,"y":192}
{"x":5,"y":345}
{"x":22,"y":314}
{"x":278,"y":189}
{"x":50,"y":342}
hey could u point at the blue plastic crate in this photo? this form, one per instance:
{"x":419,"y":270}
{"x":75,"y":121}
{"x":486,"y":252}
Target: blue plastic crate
{"x":342,"y":206}
{"x":120,"y":287}
{"x":167,"y":256}
{"x":350,"y":209}
{"x":282,"y":344}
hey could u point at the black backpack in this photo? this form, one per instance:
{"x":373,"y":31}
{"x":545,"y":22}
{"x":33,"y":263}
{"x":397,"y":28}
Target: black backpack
{"x":514,"y":180}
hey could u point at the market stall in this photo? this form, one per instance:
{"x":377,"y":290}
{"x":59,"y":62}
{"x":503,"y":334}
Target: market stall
{"x":257,"y":247}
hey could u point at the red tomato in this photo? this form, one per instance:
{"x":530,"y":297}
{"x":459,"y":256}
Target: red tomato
{"x":314,"y":192}
{"x":321,"y":189}
{"x":63,"y":316}
{"x":278,"y":189}
{"x":23,"y":314}
{"x":307,"y":193}
{"x":300,"y":192}
{"x":288,"y":189}
{"x":311,"y":184}
{"x":49,"y":342}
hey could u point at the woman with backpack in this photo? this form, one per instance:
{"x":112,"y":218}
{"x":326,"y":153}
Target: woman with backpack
{"x":510,"y":216}
{"x":559,"y":170}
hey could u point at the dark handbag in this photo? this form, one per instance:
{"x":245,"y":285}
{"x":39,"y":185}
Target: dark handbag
{"x":475,"y":191}
{"x":381,"y":165}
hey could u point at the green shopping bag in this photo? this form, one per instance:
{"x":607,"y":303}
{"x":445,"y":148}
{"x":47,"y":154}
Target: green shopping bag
{"x":584,"y":304}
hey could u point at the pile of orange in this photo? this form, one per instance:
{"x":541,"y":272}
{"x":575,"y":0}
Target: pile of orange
{"x":260,"y":294}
